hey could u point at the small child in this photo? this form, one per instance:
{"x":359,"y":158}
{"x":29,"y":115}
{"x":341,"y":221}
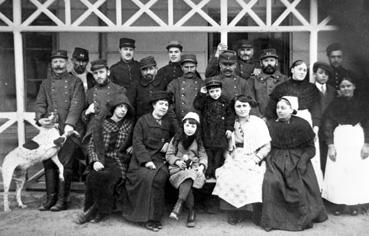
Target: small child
{"x":217,"y":123}
{"x":322,"y":73}
{"x":187,"y":162}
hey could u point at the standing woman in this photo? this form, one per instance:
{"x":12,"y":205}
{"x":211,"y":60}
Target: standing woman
{"x":239,"y":180}
{"x":347,"y":134}
{"x":308,"y":104}
{"x":147,"y":172}
{"x":187,"y":160}
{"x":291,"y":196}
{"x":105,"y":173}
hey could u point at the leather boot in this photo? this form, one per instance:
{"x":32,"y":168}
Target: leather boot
{"x":61,"y":203}
{"x":191,"y":218}
{"x":176,"y":209}
{"x":87,"y":215}
{"x":51,"y":196}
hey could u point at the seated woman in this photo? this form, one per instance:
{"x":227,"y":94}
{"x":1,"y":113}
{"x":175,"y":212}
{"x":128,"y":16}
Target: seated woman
{"x":239,"y":180}
{"x":108,"y":170}
{"x":187,"y":162}
{"x":147,"y":172}
{"x":347,"y":170}
{"x":291,"y":196}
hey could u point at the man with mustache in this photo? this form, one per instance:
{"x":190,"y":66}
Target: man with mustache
{"x":96,"y":107}
{"x":335,"y":57}
{"x":264,"y":83}
{"x":185,"y":88}
{"x":232,"y":84}
{"x":173,"y":69}
{"x":127,"y":71}
{"x":146,"y":85}
{"x":80,"y":60}
{"x":246,"y":65}
{"x":63,"y":94}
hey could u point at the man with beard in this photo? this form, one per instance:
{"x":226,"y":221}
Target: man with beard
{"x":173,"y":70}
{"x":97,"y":99}
{"x":264,"y":83}
{"x":246,"y":65}
{"x":146,"y":85}
{"x":335,"y":57}
{"x":186,"y":87}
{"x":63,"y":94}
{"x":126,"y":72}
{"x":80,"y":60}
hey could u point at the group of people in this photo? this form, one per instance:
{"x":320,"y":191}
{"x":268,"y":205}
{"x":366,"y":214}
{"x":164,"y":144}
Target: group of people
{"x":263,"y":136}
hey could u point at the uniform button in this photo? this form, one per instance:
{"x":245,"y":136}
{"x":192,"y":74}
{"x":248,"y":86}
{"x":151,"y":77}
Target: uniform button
{"x":182,"y":88}
{"x":65,"y":100}
{"x":182,"y":95}
{"x":65,"y":86}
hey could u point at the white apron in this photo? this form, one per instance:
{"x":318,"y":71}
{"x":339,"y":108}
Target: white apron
{"x":347,"y":179}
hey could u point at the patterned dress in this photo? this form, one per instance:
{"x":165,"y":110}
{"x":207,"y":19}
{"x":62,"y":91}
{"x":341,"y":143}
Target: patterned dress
{"x":239,"y":180}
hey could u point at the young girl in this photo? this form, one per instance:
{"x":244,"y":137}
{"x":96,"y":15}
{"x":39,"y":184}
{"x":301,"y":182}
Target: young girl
{"x":187,"y":162}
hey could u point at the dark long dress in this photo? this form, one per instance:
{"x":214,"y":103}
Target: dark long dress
{"x":101,"y":185}
{"x":145,"y":187}
{"x":291,"y":197}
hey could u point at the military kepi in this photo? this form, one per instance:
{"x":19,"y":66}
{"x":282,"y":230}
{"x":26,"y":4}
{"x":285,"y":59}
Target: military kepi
{"x":147,"y":62}
{"x":228,"y":56}
{"x":243,"y":43}
{"x":174,"y":44}
{"x":269,"y":52}
{"x":80,"y":54}
{"x":213,"y":82}
{"x":188,"y":58}
{"x":127,"y":42}
{"x":59,"y":54}
{"x":98,"y":64}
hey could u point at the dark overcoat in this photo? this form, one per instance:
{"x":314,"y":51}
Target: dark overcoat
{"x":125,"y":74}
{"x":148,"y":139}
{"x":170,"y":72}
{"x":64,"y":95}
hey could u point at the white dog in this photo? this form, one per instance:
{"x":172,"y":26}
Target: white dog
{"x":49,"y":143}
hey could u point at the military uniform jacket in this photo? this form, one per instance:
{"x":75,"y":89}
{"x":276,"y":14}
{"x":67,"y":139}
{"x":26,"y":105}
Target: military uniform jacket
{"x":263,"y":85}
{"x":170,"y":72}
{"x":235,"y":85}
{"x":184,"y":91}
{"x":64,"y":95}
{"x":100,"y":95}
{"x":142,"y":93}
{"x":244,"y":69}
{"x":125,"y":74}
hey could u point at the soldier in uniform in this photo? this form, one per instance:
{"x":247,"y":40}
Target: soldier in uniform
{"x":97,"y":99}
{"x":335,"y":57}
{"x":146,"y":85}
{"x":186,"y":87}
{"x":80,"y":60}
{"x":127,"y":71}
{"x":63,"y":94}
{"x":246,"y":65}
{"x":173,"y":70}
{"x":232,"y":84}
{"x":264,"y":83}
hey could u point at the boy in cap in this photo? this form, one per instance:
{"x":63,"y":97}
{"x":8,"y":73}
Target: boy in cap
{"x":127,"y":71}
{"x":80,"y":60}
{"x":264,"y":83}
{"x":173,"y":69}
{"x":185,"y":87}
{"x":216,"y":120}
{"x":322,"y":73}
{"x":63,"y":94}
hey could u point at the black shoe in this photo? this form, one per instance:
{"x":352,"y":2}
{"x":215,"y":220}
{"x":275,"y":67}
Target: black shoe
{"x":50,"y":201}
{"x":51,"y":191}
{"x":98,"y":218}
{"x":61,"y":203}
{"x":233,"y":218}
{"x":150,"y":225}
{"x":191,"y":218}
